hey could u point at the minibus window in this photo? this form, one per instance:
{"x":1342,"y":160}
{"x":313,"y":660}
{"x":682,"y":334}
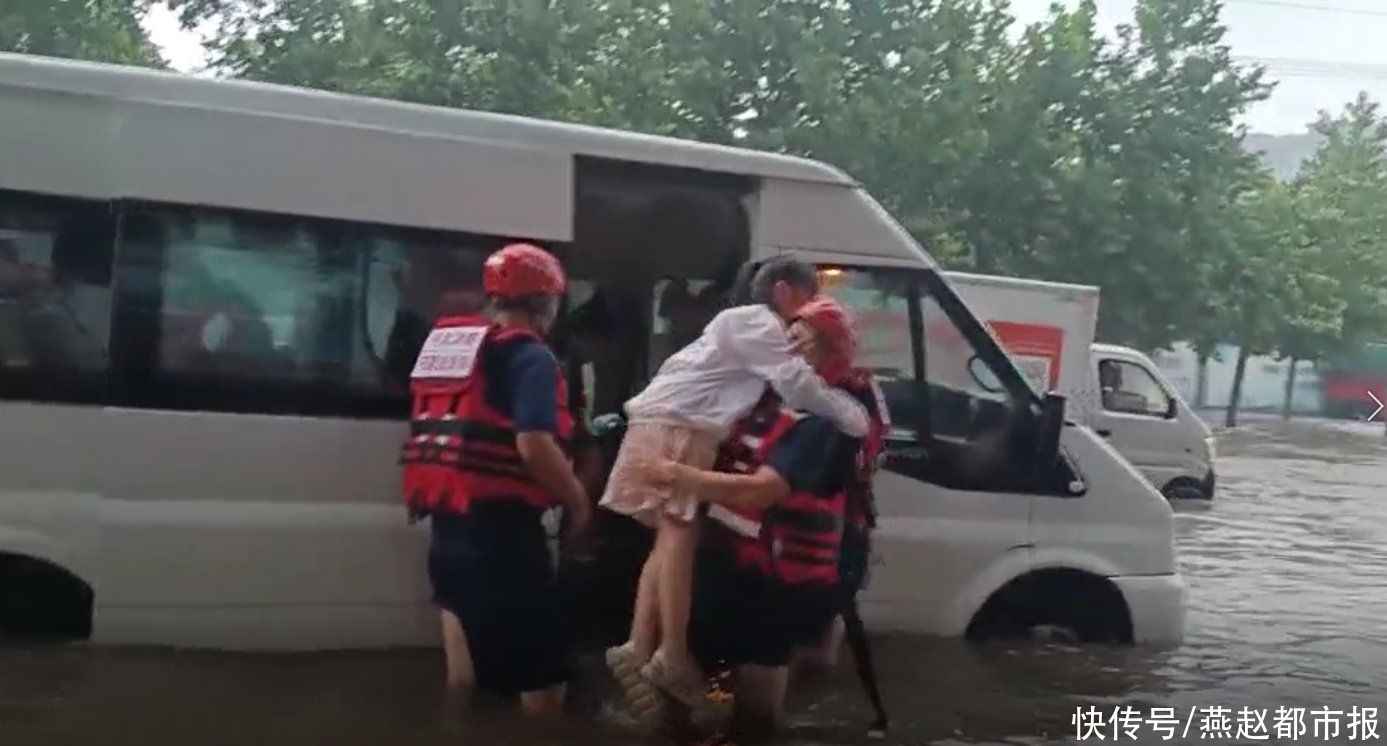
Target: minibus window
{"x":965,"y":394}
{"x":948,"y":391}
{"x":55,"y":285}
{"x":405,"y":278}
{"x":984,"y":419}
{"x":231,"y":312}
{"x":880,"y":304}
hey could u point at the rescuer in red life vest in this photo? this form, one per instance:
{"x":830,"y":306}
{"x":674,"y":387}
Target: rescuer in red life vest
{"x":767,"y":577}
{"x":485,"y":459}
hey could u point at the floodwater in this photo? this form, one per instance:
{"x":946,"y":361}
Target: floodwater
{"x":1288,"y":608}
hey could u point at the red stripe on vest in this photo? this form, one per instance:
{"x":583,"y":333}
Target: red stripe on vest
{"x":460,"y":450}
{"x":744,"y":451}
{"x":803,"y":538}
{"x":798,"y":540}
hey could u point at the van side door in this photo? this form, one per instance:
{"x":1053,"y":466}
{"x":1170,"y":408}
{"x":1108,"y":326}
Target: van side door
{"x":955,"y":492}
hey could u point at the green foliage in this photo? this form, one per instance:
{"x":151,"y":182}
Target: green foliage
{"x":1049,"y":152}
{"x":101,"y":30}
{"x":1056,"y":155}
{"x":1343,"y":192}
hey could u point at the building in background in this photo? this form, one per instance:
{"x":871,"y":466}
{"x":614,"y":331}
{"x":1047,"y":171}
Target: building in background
{"x":1264,"y":382}
{"x":1349,"y":379}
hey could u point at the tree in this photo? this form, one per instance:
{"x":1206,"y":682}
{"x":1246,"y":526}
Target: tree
{"x":1116,"y":165}
{"x":1181,"y":168}
{"x":1344,"y":190}
{"x":1057,"y":155}
{"x":1274,"y":283}
{"x":99,"y":30}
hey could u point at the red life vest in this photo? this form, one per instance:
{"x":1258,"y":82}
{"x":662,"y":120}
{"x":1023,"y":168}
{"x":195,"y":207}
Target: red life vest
{"x":797,"y":540}
{"x":461,"y":450}
{"x":744,"y":451}
{"x":861,"y":505}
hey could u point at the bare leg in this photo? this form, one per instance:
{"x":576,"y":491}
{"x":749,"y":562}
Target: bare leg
{"x":543,"y":703}
{"x":459,"y":660}
{"x":627,"y":661}
{"x":675,"y":543}
{"x":760,"y":702}
{"x":645,"y":621}
{"x":822,"y":655}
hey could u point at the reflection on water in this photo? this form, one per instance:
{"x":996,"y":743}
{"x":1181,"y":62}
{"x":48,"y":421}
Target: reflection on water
{"x":1288,"y":606}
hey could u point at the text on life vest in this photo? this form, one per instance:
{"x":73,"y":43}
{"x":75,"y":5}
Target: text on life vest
{"x":449,"y":353}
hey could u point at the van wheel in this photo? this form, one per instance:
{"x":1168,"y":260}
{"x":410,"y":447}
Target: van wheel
{"x":1053,"y":634}
{"x":42,"y":601}
{"x":1064,"y":606}
{"x":1184,"y":489}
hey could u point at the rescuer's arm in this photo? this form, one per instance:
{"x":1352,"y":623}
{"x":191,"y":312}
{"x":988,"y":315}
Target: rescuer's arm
{"x":760,"y":343}
{"x":757,"y":490}
{"x":535,"y":409}
{"x":812,"y":456}
{"x":551,"y":470}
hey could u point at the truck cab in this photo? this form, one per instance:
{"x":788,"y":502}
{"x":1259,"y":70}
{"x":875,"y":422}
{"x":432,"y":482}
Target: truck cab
{"x":1147,"y":421}
{"x":1048,"y":330}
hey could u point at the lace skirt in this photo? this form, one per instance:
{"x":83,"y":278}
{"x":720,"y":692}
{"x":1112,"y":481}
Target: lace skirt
{"x":629,"y":491}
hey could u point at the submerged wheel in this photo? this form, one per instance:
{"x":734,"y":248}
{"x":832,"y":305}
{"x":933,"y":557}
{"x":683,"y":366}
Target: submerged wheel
{"x":1185,"y":489}
{"x":40,"y":600}
{"x":1065,"y":606}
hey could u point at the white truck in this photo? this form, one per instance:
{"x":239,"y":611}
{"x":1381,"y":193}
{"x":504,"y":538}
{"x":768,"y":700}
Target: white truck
{"x":1048,"y":329}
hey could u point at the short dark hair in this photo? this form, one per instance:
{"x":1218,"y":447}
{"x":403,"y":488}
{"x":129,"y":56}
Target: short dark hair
{"x":535,"y":306}
{"x":796,"y":274}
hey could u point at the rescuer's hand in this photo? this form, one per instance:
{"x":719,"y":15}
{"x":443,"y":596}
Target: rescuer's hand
{"x":661,"y":474}
{"x":577,"y":520}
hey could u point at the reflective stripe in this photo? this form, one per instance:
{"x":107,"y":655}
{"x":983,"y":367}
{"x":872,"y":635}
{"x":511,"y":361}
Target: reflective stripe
{"x":804,"y":558}
{"x":814,"y":542}
{"x":741,"y":524}
{"x":809,"y":522}
{"x":461,"y":451}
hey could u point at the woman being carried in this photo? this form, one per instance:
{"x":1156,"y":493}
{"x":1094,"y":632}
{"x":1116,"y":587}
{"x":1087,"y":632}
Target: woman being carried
{"x":682,"y":415}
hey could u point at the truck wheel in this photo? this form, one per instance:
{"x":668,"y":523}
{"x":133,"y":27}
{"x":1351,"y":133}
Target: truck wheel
{"x":1185,"y":489}
{"x":1059,"y":605}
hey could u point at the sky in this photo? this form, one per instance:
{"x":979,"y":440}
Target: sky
{"x":1319,"y":52}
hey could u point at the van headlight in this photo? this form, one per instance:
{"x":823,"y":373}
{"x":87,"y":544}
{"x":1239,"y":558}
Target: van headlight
{"x":1211,"y":447}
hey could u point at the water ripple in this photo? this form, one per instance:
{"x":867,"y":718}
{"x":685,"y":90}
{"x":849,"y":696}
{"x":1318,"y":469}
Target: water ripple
{"x":1288,"y":607}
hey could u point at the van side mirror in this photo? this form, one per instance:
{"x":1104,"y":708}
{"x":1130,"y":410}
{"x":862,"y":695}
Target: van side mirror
{"x":1051,"y":423}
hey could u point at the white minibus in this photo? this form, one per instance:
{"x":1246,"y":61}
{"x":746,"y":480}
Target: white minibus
{"x":211,"y":292}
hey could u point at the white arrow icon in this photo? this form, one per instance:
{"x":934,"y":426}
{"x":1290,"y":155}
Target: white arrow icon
{"x":1379,"y":404}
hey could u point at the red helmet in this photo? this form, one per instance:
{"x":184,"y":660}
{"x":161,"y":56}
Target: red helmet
{"x":521,"y":269}
{"x":831,"y":320}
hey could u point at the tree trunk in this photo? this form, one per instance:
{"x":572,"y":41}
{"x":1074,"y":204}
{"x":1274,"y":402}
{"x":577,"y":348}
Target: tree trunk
{"x":1201,"y":383}
{"x":1231,"y":420}
{"x":1290,"y":391}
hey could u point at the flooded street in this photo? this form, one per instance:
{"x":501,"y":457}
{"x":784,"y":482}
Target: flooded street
{"x":1288,"y":607}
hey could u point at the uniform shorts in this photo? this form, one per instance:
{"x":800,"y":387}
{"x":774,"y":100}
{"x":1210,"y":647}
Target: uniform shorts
{"x":495,"y":574}
{"x":742,"y":618}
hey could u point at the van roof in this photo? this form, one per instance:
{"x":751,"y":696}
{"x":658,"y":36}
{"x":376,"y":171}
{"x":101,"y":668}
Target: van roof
{"x":104,"y":132}
{"x":135,"y":85}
